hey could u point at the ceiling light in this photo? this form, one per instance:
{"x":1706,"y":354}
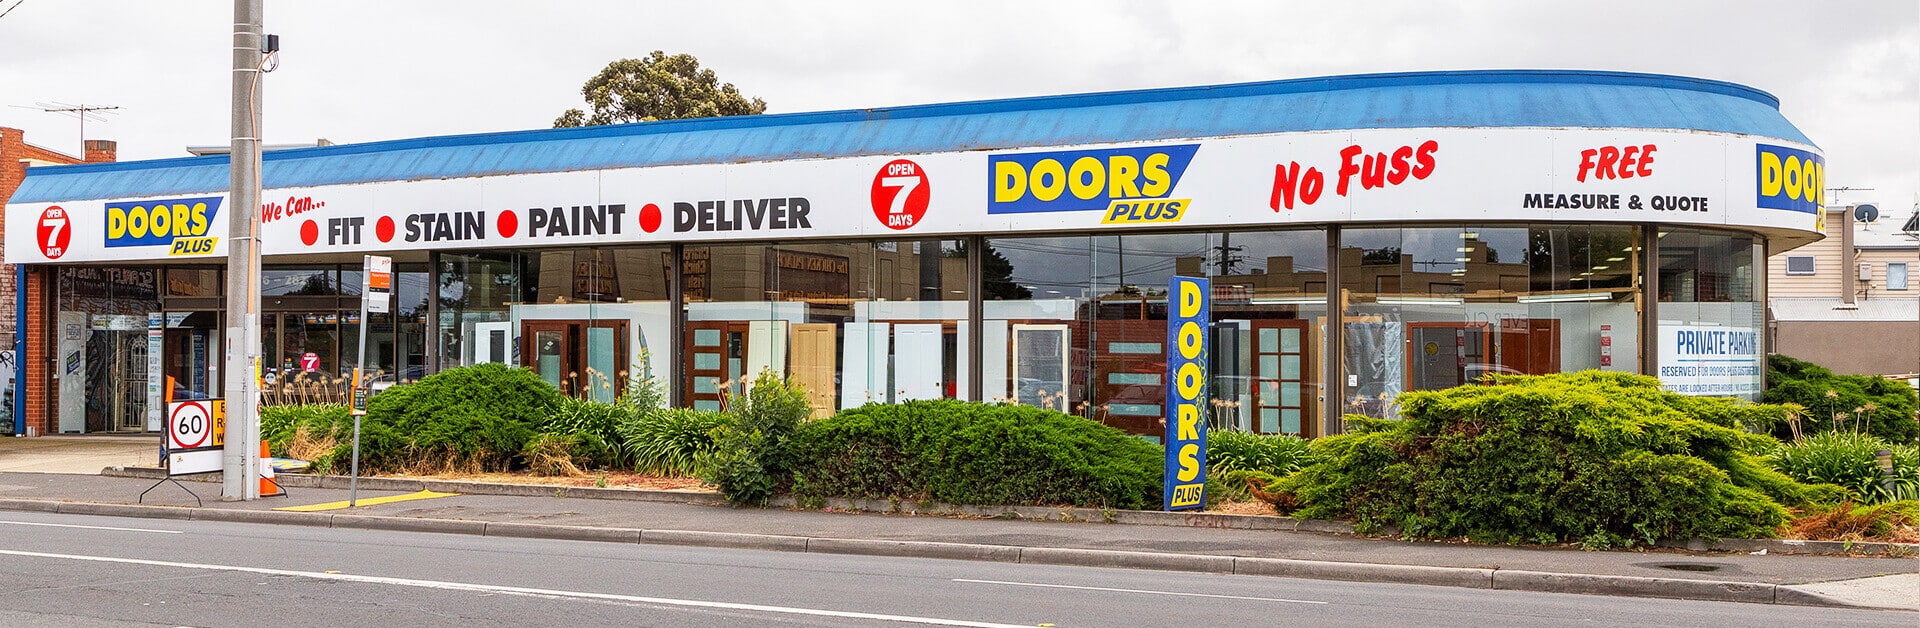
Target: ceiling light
{"x":1423,"y":300}
{"x":1568,"y":297}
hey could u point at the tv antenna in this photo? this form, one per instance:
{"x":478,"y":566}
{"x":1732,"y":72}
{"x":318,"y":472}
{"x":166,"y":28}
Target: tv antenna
{"x":83,"y":111}
{"x":1836,"y":191}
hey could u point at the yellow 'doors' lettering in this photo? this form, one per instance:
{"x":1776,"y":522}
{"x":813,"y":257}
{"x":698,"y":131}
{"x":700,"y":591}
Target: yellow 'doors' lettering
{"x":1188,"y":422}
{"x":1189,"y":380}
{"x":1009,"y":182}
{"x":1049,"y":179}
{"x":116,"y":223}
{"x":160,"y":220}
{"x":1799,"y":180}
{"x":1158,"y":181}
{"x":1087,"y":178}
{"x":1189,"y":462}
{"x":1190,"y":299}
{"x":1121,"y":172}
{"x":1190,"y":340}
{"x":1769,"y":174}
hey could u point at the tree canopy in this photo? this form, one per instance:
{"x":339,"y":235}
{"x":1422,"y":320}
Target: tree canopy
{"x":657,"y":87}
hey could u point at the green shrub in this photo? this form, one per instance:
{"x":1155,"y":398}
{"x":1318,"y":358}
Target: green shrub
{"x":1848,"y":460}
{"x":597,"y":424}
{"x":1846,"y":403}
{"x":476,"y":417}
{"x":1275,"y":454}
{"x":973,"y":453}
{"x":1601,"y":459}
{"x":670,"y":441}
{"x":327,"y":444}
{"x":751,"y":459}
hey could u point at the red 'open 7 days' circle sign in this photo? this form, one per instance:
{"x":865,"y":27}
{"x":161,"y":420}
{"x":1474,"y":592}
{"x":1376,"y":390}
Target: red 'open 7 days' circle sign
{"x":189,"y":426}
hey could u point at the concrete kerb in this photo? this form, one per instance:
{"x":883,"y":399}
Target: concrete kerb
{"x":1624,"y":586}
{"x":1634,"y":586}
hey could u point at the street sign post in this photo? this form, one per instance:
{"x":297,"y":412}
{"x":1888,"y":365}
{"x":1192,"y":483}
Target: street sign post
{"x":375,"y":295}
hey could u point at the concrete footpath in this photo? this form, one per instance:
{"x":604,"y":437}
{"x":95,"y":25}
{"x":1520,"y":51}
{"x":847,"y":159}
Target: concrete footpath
{"x":694,"y":519}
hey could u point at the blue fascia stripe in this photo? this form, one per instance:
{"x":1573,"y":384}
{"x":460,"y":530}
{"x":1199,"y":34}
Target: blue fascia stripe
{"x":1501,"y":98}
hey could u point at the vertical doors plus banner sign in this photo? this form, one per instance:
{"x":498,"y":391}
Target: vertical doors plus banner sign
{"x":1188,"y":311}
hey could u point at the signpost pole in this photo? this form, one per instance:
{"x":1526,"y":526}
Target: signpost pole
{"x":376,"y":286}
{"x":240,"y":463}
{"x":359,"y":369}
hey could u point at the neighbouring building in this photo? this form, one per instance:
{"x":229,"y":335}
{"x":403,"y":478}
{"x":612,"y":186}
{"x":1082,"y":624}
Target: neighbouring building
{"x":1850,"y":302}
{"x":16,"y":155}
{"x":1364,"y":236}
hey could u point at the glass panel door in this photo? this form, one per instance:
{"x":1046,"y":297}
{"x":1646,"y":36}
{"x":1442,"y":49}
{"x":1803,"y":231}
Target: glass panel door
{"x":1040,"y":365}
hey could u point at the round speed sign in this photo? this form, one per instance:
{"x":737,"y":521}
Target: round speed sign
{"x":190,"y":425}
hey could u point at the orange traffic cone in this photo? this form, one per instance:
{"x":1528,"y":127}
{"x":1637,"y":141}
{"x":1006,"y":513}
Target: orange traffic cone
{"x":268,"y":486}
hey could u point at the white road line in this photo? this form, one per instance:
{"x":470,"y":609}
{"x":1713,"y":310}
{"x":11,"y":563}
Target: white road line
{"x":488,"y":588}
{"x":69,"y":525}
{"x":1069,"y":586}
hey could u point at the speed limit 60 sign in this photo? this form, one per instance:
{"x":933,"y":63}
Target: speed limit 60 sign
{"x":195,"y":424}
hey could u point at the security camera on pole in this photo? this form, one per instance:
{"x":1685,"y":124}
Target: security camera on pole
{"x":240,"y":463}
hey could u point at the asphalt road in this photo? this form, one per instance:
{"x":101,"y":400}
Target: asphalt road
{"x":67,"y":570}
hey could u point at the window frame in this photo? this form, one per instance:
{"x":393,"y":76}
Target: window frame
{"x":1812,"y":262}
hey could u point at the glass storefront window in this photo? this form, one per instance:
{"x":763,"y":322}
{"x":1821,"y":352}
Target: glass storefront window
{"x":102,"y":345}
{"x":1710,"y":319}
{"x":1078,"y":324}
{"x":586,"y":320}
{"x":301,"y":280}
{"x":852,"y":323}
{"x":1436,"y":307}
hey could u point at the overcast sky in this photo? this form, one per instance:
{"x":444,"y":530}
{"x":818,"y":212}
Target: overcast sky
{"x":1847,"y":73}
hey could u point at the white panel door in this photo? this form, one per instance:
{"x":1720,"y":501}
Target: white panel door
{"x":1040,"y":365}
{"x":766,"y":348}
{"x":993,"y":362}
{"x":494,"y":343}
{"x":917,"y":359}
{"x":863,"y":371}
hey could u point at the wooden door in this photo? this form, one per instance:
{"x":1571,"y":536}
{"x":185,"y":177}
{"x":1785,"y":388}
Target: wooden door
{"x":1282,"y":385}
{"x":1529,"y":345}
{"x":551,"y":349}
{"x":812,"y":364}
{"x":716,"y":361}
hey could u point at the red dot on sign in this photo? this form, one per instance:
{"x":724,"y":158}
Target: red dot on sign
{"x":509,"y":224}
{"x":309,"y":232}
{"x":650,"y":218}
{"x":384,"y":229}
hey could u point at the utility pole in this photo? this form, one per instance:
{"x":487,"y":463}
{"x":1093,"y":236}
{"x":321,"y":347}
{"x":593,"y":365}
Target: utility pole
{"x":241,"y":461}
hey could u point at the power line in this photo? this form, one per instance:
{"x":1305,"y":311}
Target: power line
{"x":10,"y":9}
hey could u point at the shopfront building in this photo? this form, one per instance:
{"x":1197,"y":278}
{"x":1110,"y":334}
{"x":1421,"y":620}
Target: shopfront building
{"x":1364,"y":236}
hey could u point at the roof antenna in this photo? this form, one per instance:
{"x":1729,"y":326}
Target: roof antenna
{"x":82,"y":111}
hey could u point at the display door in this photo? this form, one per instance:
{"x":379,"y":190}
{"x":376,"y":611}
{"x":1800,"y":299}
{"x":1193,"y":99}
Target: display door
{"x":1040,"y":365}
{"x":191,"y":361}
{"x":1281,"y":368}
{"x":1528,"y":346}
{"x":1129,"y":362}
{"x":1231,"y":390}
{"x":1445,"y":355}
{"x":581,"y":358}
{"x":493,"y":343}
{"x":716,"y":361}
{"x":116,"y":375}
{"x":918,"y":357}
{"x":813,"y":365}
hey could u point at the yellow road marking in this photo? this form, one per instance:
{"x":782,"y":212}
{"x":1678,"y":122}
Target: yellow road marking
{"x":371,"y":501}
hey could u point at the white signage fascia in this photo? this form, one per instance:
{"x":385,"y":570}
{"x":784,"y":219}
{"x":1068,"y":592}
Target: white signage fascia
{"x":1244,"y":182}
